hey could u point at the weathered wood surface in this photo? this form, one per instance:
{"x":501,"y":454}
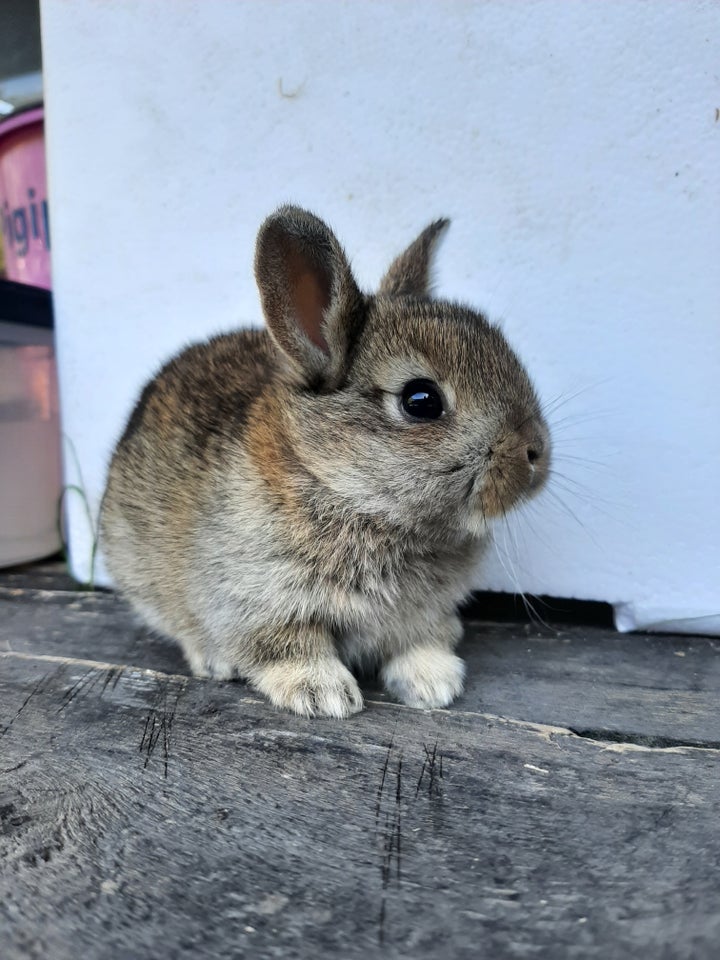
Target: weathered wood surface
{"x":659,"y":690}
{"x":145,"y":814}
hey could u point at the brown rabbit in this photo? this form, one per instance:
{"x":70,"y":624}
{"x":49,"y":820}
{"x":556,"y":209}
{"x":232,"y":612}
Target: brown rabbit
{"x":294,"y":502}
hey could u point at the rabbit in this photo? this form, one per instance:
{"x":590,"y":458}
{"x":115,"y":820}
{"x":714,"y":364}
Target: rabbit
{"x":299,"y":502}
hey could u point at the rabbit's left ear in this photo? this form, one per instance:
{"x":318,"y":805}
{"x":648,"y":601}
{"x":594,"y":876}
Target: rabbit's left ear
{"x":409,"y":273}
{"x":310,"y":299}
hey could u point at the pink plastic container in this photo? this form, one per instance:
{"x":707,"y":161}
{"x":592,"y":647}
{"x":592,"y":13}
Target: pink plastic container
{"x":23,"y":198}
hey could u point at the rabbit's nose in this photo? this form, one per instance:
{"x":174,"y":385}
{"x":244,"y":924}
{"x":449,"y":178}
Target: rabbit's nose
{"x":535,"y":449}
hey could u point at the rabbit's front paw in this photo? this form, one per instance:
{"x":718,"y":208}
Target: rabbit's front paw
{"x":424,"y":677}
{"x":204,"y":665}
{"x":321,"y":687}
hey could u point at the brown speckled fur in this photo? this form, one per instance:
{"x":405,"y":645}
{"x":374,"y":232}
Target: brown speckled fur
{"x":271,"y":507}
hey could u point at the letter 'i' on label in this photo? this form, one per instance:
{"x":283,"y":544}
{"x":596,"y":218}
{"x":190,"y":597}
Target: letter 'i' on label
{"x":7,"y":223}
{"x":33,"y":214}
{"x":20,"y":231}
{"x":46,"y":224}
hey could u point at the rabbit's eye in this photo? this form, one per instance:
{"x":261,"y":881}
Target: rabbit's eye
{"x":422,"y":400}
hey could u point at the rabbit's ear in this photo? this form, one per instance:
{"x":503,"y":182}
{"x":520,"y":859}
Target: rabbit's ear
{"x":310,"y":299}
{"x":409,"y":273}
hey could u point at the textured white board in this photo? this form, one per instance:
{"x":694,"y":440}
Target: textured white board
{"x":577,"y":149}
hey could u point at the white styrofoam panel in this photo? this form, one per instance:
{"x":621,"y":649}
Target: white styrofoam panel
{"x":575,"y":146}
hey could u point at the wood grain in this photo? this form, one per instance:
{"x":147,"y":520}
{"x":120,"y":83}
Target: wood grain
{"x":145,"y":814}
{"x":654,"y":689}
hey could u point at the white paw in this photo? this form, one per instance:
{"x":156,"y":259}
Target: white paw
{"x":208,"y":666}
{"x":312,"y":688}
{"x":424,"y":677}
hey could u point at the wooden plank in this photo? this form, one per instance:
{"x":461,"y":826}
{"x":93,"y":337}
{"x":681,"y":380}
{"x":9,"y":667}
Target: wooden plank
{"x":650,"y":689}
{"x":657,"y":690}
{"x":148,"y":816}
{"x":84,"y":625}
{"x":42,"y":575}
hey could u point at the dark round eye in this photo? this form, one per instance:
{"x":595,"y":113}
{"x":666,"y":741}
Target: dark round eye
{"x":422,"y":400}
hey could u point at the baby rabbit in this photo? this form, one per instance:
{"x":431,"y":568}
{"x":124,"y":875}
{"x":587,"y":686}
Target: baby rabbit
{"x":295,"y":502}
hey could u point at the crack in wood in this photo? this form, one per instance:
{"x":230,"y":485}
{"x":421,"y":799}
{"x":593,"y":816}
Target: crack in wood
{"x":643,"y":741}
{"x":98,"y":665}
{"x":17,"y":766}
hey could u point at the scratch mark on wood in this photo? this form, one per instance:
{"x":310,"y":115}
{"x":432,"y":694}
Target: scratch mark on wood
{"x":109,"y":675}
{"x":382,"y":780}
{"x":38,"y":688}
{"x":433,"y":764}
{"x":18,"y":766}
{"x":398,"y":818}
{"x":391,"y":838}
{"x":420,"y":778}
{"x":158,"y":727}
{"x":381,"y":923}
{"x":84,"y":684}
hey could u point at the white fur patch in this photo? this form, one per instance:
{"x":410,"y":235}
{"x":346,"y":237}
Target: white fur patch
{"x":424,"y":677}
{"x":206,"y":665}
